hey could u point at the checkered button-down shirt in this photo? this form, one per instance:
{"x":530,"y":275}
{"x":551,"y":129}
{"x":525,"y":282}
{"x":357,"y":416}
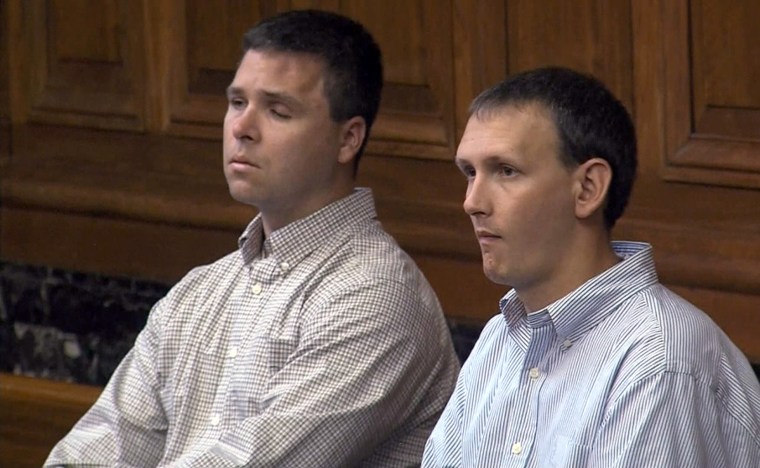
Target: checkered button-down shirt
{"x":328,"y":348}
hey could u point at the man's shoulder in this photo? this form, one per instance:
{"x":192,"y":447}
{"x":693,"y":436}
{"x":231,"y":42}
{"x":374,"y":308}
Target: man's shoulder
{"x":214,"y":273}
{"x":370,"y":266}
{"x":223,"y":265}
{"x":371,"y":251}
{"x":687,"y":332}
{"x":675,"y":336}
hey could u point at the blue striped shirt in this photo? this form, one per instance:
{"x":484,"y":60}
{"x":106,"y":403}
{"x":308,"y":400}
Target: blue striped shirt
{"x":622,"y":372}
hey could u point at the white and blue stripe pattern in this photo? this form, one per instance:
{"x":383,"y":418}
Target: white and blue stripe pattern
{"x":620,"y":373}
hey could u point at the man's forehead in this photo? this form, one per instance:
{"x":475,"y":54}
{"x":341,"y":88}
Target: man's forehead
{"x":507,"y":129}
{"x":285,"y":56}
{"x":280,"y":70}
{"x":512,"y":108}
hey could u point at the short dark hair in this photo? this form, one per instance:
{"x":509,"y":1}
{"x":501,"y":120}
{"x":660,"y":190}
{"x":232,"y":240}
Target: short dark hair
{"x":352,"y":58}
{"x":590,"y":121}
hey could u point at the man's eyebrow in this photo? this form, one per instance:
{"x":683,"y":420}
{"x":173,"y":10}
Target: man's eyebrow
{"x":283,"y":97}
{"x":462,"y":163}
{"x":491,"y":160}
{"x":233,"y":91}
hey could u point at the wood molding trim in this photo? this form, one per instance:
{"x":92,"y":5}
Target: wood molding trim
{"x":35,"y":414}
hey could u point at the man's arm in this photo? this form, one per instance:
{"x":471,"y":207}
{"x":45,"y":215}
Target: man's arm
{"x":127,"y":423}
{"x":365,"y":361}
{"x":673,"y":420}
{"x":444,"y":447}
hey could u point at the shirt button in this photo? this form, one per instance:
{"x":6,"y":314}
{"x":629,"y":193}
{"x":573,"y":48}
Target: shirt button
{"x":566,"y":344}
{"x":257,"y":288}
{"x":215,"y":420}
{"x":534,"y":373}
{"x":284,"y":266}
{"x":517,"y":448}
{"x":232,"y":352}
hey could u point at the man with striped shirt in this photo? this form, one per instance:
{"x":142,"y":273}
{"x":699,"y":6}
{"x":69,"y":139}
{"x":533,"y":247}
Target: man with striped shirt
{"x":592,"y":362}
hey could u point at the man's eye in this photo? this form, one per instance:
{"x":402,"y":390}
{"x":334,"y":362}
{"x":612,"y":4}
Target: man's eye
{"x":467,"y":171}
{"x":237,"y":103}
{"x":508,"y":171}
{"x":279,"y":114}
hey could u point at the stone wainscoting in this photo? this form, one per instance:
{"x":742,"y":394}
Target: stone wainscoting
{"x":69,"y":326}
{"x":76,"y":327}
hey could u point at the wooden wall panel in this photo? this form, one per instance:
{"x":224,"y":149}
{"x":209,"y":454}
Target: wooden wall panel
{"x":416,"y":117}
{"x":713,"y":131}
{"x":589,"y":35}
{"x":153,"y":73}
{"x":480,"y":52}
{"x":706,"y":234}
{"x":111,"y":246}
{"x":5,"y":111}
{"x":205,"y":46}
{"x":35,"y":414}
{"x":694,"y":106}
{"x":83,"y":63}
{"x":742,"y":324}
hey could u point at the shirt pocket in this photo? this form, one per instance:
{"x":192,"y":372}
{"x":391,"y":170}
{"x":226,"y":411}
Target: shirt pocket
{"x":193,"y":384}
{"x":567,"y":453}
{"x":253,"y":372}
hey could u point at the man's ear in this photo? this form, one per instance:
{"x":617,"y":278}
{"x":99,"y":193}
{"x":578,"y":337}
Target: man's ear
{"x":593,"y":179}
{"x":353,"y":132}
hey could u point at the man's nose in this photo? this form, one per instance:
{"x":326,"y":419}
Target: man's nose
{"x":476,"y":200}
{"x":246,"y":125}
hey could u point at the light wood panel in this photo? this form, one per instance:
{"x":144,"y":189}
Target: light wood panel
{"x":706,"y":234}
{"x":416,"y":117}
{"x":5,"y":112}
{"x":480,"y":51}
{"x":189,"y":62}
{"x":122,"y":247}
{"x":112,"y":125}
{"x":81,"y":62}
{"x":713,"y":130}
{"x":589,"y":35}
{"x":204,"y":48}
{"x":35,"y":414}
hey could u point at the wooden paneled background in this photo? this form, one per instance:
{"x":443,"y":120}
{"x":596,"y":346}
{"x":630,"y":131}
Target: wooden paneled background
{"x":111,"y":112}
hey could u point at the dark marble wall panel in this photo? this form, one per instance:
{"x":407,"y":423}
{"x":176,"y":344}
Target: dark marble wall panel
{"x":68,"y":325}
{"x":77,"y":327}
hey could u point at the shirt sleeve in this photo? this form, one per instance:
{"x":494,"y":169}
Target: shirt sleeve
{"x":674,"y":420}
{"x":444,"y":447}
{"x":363,"y":366}
{"x":126,"y":426}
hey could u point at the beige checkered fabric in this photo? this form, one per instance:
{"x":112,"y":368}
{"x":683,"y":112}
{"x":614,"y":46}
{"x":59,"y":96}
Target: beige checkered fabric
{"x":330,"y":350}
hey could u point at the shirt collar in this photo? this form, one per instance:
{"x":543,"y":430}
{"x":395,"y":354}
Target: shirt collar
{"x":292,"y":243}
{"x":586,"y":307}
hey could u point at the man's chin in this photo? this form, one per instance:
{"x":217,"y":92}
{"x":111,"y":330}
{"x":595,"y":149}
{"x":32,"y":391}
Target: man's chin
{"x":243,"y":197}
{"x":495,"y":276}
